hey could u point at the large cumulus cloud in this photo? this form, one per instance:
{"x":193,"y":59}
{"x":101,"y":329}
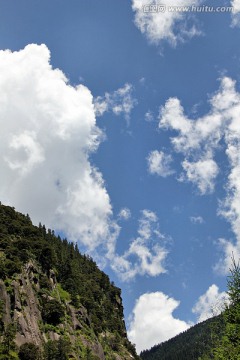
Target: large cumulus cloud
{"x":48,"y":131}
{"x":153,"y":320}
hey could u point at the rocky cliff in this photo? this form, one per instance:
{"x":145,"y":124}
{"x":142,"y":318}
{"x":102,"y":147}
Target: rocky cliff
{"x":46,"y":313}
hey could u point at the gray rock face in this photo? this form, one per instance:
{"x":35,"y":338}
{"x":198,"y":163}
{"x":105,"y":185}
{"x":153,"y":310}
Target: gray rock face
{"x":6,"y":303}
{"x":21,"y":300}
{"x":25,"y":307}
{"x":21,"y":306}
{"x":98,"y":350}
{"x":95,"y":347}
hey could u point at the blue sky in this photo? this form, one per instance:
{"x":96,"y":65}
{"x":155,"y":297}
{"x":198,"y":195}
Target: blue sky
{"x":140,"y":163}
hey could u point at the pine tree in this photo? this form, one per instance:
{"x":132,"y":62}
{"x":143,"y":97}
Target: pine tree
{"x":229,"y":348}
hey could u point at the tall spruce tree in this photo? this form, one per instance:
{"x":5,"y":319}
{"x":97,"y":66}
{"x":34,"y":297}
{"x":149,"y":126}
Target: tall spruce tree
{"x":229,"y":347}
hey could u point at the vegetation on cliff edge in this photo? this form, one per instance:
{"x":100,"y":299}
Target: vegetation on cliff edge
{"x":79,"y":283}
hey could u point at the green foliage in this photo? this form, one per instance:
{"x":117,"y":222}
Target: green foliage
{"x":7,"y":346}
{"x":81,"y":282}
{"x":90,"y":356}
{"x":229,"y":346}
{"x":62,"y":294}
{"x":44,"y":282}
{"x":52,"y":312}
{"x":191,"y":344}
{"x":12,"y":355}
{"x":57,"y":350}
{"x":29,"y":351}
{"x":47,"y":258}
{"x":234,"y":284}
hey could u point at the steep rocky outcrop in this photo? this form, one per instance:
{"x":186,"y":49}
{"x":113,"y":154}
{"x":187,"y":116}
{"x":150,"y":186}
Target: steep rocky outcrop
{"x":84,"y":322}
{"x":23,"y":298}
{"x":26,"y":307}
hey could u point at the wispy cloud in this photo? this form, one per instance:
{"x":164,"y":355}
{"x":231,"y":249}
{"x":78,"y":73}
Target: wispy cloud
{"x":196,"y":219}
{"x":153,"y":321}
{"x":171,"y":26}
{"x":120,"y":101}
{"x":149,"y":116}
{"x":124,"y":214}
{"x":146,"y":254}
{"x":159,"y":163}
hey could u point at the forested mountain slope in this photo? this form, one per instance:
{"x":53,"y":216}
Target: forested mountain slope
{"x":191,"y":344}
{"x":55,"y":304}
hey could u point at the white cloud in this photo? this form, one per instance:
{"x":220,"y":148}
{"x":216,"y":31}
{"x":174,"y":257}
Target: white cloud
{"x":24,"y":152}
{"x":48,"y":131}
{"x":149,"y":116}
{"x":146,"y":254}
{"x":173,"y":27}
{"x":199,"y":140}
{"x":202,"y":173}
{"x":193,"y":134}
{"x":159,"y":163}
{"x":153,"y":321}
{"x":210,"y":304}
{"x":236,"y":12}
{"x":196,"y":219}
{"x":229,"y":250}
{"x":120,"y":101}
{"x":124,"y":214}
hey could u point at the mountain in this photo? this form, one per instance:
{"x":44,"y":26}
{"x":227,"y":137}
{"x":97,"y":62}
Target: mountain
{"x":217,"y":338}
{"x":193,"y":344}
{"x":55,"y":304}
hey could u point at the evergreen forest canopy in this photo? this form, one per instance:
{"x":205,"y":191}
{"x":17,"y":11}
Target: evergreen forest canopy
{"x":81,"y":282}
{"x":190,"y":344}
